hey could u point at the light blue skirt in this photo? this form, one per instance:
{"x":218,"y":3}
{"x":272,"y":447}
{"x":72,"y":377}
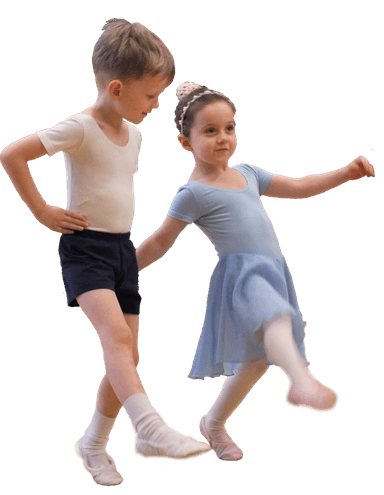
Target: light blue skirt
{"x":246,"y":291}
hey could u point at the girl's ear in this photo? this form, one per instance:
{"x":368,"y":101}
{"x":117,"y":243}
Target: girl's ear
{"x":184,"y":141}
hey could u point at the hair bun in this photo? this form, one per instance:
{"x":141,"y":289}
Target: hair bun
{"x":185,"y":89}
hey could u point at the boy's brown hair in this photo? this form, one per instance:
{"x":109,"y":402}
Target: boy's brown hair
{"x":130,"y":51}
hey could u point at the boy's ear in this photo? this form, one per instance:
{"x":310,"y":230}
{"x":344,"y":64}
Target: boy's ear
{"x":184,"y":141}
{"x":114,"y":89}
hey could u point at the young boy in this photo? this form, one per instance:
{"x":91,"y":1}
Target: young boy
{"x":132,"y":68}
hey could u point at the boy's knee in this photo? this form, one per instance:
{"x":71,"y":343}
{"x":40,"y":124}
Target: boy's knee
{"x":119,"y":336}
{"x":136,"y":357}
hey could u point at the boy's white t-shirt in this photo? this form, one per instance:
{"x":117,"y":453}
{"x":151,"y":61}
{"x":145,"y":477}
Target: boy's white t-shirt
{"x":99,"y":172}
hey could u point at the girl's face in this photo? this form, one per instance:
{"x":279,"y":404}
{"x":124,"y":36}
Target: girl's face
{"x":212,"y":138}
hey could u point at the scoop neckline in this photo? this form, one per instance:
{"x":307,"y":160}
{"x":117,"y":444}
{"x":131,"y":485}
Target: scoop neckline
{"x":105,"y":136}
{"x":223,"y":188}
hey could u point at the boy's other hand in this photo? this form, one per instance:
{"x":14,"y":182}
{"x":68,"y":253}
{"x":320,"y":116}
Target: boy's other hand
{"x":59,"y":220}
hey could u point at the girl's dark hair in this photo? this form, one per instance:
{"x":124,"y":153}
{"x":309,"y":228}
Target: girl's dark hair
{"x":195,"y":107}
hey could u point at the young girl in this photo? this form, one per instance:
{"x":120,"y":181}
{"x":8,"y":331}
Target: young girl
{"x":252,"y":318}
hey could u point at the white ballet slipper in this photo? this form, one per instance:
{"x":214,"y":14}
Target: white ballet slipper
{"x":106,"y":475}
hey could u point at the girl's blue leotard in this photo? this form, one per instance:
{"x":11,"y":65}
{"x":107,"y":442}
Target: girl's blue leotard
{"x":251,"y":282}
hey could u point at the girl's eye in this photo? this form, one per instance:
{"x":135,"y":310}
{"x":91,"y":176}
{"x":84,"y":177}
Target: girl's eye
{"x":210,"y":130}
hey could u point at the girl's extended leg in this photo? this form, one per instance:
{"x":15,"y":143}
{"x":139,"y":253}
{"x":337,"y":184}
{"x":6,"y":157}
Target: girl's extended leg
{"x":235,"y":389}
{"x":281,"y":348}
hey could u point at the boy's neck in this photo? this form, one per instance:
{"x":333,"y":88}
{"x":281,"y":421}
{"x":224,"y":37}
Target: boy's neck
{"x":102,"y":111}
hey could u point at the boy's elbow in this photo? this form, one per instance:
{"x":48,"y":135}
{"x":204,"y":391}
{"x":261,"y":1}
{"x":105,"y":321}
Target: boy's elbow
{"x":5,"y":157}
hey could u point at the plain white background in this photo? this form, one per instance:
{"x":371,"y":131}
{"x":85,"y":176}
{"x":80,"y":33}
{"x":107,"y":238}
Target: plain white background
{"x":307,"y":80}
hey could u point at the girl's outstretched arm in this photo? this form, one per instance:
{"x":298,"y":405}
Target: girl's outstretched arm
{"x":159,"y":243}
{"x":286,"y":187}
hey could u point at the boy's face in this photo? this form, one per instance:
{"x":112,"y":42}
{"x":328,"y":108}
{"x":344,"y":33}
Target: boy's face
{"x":138,"y":97}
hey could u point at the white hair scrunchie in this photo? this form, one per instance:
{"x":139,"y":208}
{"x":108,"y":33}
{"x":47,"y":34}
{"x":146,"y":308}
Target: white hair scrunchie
{"x":184,"y":89}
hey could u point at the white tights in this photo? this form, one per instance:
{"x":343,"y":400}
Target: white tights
{"x":280,"y":348}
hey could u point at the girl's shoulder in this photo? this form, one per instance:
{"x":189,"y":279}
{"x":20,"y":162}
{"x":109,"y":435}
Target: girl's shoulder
{"x":251,"y":169}
{"x":257,"y":174}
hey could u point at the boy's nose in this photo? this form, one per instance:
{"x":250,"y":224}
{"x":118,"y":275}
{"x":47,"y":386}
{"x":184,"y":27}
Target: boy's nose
{"x":156,"y":103}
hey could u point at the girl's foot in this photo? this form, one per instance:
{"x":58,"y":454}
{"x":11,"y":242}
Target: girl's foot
{"x":310,"y":392}
{"x":99,"y":464}
{"x":226,"y":451}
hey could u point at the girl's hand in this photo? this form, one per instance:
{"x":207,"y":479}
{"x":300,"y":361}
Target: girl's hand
{"x":360,"y":167}
{"x":60,"y":220}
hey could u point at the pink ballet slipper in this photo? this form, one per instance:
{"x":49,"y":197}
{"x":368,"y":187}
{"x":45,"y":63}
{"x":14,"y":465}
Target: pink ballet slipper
{"x":226,"y":451}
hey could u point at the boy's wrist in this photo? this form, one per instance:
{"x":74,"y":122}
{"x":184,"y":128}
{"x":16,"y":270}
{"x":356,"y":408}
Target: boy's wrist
{"x":38,"y":211}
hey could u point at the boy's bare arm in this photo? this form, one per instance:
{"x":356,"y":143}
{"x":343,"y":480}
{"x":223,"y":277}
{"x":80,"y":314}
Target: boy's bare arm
{"x":159,"y":243}
{"x":15,"y":160}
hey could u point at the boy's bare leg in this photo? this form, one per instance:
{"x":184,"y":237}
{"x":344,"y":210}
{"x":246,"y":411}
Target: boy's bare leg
{"x":117,"y":340}
{"x":102,"y":311}
{"x":118,"y":336}
{"x":107,"y":402}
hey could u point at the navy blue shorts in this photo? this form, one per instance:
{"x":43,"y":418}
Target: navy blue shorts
{"x":97,"y":260}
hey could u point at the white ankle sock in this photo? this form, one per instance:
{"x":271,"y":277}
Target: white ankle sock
{"x":95,"y":440}
{"x":282,"y":349}
{"x":154,"y":437}
{"x":97,"y":434}
{"x":148,"y":424}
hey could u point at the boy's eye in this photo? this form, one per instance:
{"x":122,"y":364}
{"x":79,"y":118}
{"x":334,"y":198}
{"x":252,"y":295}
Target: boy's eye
{"x":210,"y":130}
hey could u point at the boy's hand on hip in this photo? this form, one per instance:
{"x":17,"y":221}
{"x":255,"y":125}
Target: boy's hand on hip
{"x":59,"y":220}
{"x":360,"y":167}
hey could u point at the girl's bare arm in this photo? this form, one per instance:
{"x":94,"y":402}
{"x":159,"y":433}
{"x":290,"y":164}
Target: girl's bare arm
{"x":286,"y":187}
{"x":160,"y":242}
{"x":15,"y":160}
